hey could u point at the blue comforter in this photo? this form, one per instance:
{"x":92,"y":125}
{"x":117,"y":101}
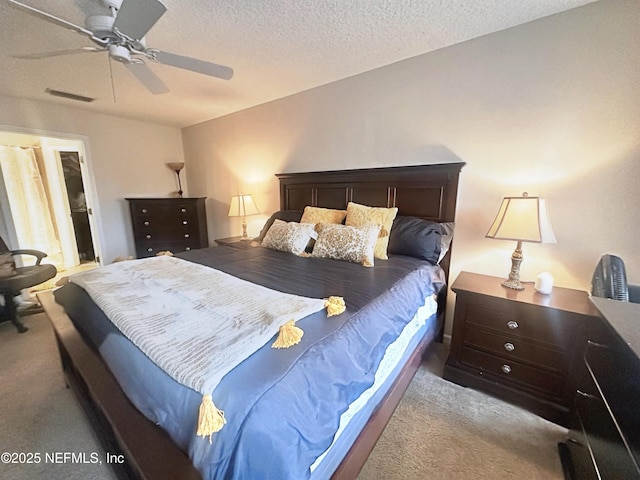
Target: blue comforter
{"x":282,"y":406}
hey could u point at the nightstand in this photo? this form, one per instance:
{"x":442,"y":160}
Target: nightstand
{"x":236,"y":242}
{"x":520,"y":346}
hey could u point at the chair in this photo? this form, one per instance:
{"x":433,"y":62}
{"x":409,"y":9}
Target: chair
{"x":25,"y":277}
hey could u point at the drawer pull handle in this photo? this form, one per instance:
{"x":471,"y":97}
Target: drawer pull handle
{"x":186,"y":235}
{"x":587,"y":395}
{"x":184,"y":222}
{"x":596,"y":344}
{"x":148,"y":236}
{"x":509,"y":347}
{"x":149,"y":249}
{"x":512,"y":325}
{"x":183,"y":210}
{"x":146,"y":224}
{"x":144,"y":210}
{"x":188,"y":248}
{"x":506,"y":368}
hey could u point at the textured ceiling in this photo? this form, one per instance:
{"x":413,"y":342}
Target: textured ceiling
{"x":276,"y":48}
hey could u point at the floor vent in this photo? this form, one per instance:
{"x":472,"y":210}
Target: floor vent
{"x":70,"y":96}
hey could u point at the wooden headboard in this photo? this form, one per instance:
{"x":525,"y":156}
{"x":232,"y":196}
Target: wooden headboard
{"x":425,"y":191}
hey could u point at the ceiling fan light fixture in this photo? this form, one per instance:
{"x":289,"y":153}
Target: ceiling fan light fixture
{"x":120,"y":53}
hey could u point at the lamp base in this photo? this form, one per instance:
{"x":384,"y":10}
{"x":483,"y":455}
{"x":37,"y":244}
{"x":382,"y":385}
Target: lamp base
{"x":513,"y":284}
{"x":514,"y":275}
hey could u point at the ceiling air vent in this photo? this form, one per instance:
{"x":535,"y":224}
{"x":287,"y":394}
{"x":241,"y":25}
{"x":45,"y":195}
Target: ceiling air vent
{"x":70,"y":96}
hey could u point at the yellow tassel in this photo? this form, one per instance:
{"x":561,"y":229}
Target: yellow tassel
{"x":334,"y":306}
{"x":289,"y":335}
{"x":210,"y":420}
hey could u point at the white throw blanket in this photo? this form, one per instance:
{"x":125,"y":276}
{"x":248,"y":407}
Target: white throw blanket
{"x":194,"y":322}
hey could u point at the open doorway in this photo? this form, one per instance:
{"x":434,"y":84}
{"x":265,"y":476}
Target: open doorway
{"x":45,"y":203}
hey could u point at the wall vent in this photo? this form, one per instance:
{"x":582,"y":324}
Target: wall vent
{"x":70,"y":96}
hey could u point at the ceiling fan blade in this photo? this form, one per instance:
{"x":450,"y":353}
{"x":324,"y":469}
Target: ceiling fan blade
{"x":50,"y":18}
{"x":193,"y":64}
{"x":146,"y":76}
{"x":136,"y":17}
{"x":35,"y":56}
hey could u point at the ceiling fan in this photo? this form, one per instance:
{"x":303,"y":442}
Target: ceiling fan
{"x":121,"y":33}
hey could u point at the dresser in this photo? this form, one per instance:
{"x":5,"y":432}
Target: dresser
{"x":519,"y":345}
{"x":606,"y":443}
{"x":174,"y":224}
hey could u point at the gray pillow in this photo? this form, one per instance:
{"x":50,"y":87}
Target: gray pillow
{"x":416,"y":237}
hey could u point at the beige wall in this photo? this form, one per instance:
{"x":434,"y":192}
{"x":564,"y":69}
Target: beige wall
{"x":551,"y":108}
{"x":126,"y":158}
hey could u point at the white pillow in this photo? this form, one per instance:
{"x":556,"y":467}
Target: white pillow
{"x":290,"y":237}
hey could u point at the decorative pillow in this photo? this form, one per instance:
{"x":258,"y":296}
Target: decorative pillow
{"x":341,"y":242}
{"x":322,"y":215}
{"x":289,"y":237}
{"x":416,"y":237}
{"x":7,"y":265}
{"x":358,"y":215}
{"x":284,"y":215}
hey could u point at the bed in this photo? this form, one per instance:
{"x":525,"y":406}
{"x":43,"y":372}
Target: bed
{"x":426,"y":192}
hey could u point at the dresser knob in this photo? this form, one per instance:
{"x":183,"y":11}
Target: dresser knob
{"x":509,"y":347}
{"x":506,"y":368}
{"x":148,"y":236}
{"x":149,"y":249}
{"x":188,"y":248}
{"x":512,"y":325}
{"x":144,"y":210}
{"x":184,"y":222}
{"x":146,"y":224}
{"x":183,"y":210}
{"x":186,"y":235}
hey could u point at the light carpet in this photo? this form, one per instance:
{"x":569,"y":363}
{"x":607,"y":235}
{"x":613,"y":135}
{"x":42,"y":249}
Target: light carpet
{"x":439,"y":431}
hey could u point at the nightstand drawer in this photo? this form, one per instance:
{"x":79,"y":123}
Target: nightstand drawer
{"x":510,"y":371}
{"x":514,"y":348}
{"x":513,"y":319}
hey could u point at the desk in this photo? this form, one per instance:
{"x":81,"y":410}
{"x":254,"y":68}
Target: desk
{"x":606,"y":441}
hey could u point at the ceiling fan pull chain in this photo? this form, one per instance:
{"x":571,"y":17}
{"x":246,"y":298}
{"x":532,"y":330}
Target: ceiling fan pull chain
{"x":113,"y":85}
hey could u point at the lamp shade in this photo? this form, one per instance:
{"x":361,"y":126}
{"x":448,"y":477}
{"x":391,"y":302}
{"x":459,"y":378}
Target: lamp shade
{"x":176,"y":166}
{"x":524,"y":219}
{"x":242,"y":206}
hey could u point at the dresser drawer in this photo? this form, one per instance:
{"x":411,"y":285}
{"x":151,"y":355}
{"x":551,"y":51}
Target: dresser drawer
{"x":515,"y":348}
{"x":511,"y":371}
{"x":163,"y":209}
{"x":164,"y":226}
{"x":517,"y":320}
{"x":149,"y":249}
{"x":608,"y":448}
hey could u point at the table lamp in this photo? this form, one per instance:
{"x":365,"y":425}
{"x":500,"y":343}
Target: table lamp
{"x":523,"y":219}
{"x":242,"y":206}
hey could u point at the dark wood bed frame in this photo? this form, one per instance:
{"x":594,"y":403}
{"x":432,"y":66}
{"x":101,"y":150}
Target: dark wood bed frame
{"x":426,"y":191}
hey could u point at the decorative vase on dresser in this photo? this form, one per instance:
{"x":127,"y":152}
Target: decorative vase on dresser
{"x":173,"y":224}
{"x":519,"y":345}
